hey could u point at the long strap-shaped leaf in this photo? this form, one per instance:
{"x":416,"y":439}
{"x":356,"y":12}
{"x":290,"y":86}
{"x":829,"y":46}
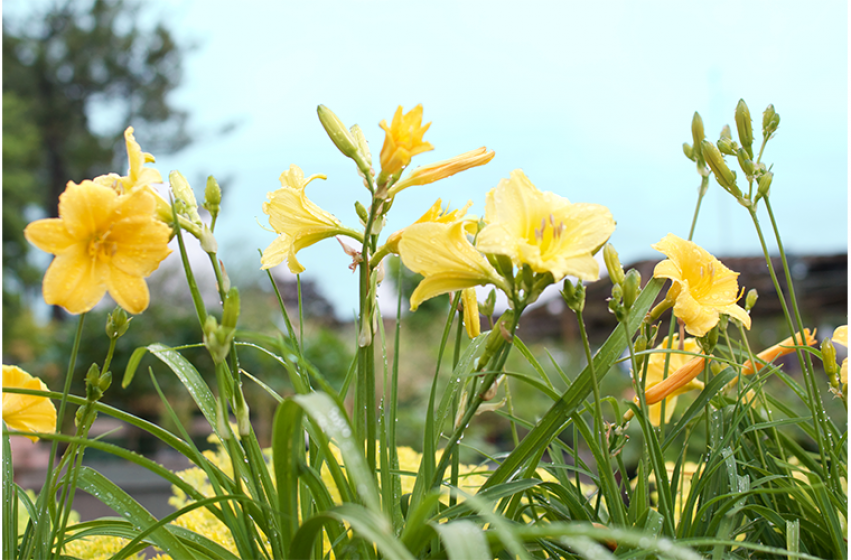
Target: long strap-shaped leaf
{"x":91,"y":481}
{"x":550,"y":425}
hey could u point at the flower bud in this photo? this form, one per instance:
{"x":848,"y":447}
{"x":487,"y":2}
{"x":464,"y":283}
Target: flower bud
{"x":751,"y":298}
{"x":486,"y":309}
{"x":697,"y":134}
{"x":362,"y":212}
{"x":725,"y":146}
{"x":217,"y":339}
{"x":184,"y":195}
{"x":360,"y":140}
{"x":770,"y":121}
{"x":709,"y":340}
{"x":613,"y":264}
{"x":208,"y":241}
{"x":688,"y":151}
{"x":338,"y":132}
{"x":231,"y":311}
{"x":212,"y":196}
{"x":631,"y":287}
{"x":725,"y":132}
{"x":764,"y":185}
{"x":828,"y":357}
{"x":725,"y":177}
{"x":639,"y":346}
{"x":117,"y":323}
{"x":743,"y":125}
{"x":745,"y":163}
{"x":243,"y":417}
{"x":574,"y":295}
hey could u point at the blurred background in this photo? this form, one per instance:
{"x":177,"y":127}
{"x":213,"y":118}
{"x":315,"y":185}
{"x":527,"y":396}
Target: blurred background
{"x":592,"y":101}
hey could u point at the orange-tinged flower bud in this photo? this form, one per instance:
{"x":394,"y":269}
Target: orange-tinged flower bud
{"x":676,"y":380}
{"x":781,"y":349}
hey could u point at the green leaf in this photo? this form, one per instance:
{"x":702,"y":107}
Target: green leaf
{"x":287,"y":443}
{"x":91,"y":481}
{"x":463,"y":540}
{"x":10,"y":503}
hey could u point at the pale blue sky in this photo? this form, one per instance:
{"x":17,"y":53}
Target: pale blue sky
{"x":592,"y":100}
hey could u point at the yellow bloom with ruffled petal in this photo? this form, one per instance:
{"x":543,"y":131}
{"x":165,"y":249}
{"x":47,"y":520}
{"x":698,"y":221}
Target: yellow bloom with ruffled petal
{"x":544,"y":230}
{"x":443,"y":254}
{"x":435,"y":214}
{"x":403,"y":140}
{"x":703,"y":288}
{"x":26,"y":413}
{"x":298,"y":222}
{"x":443,"y":169}
{"x":840,"y":336}
{"x":656,"y":371}
{"x":103,"y":242}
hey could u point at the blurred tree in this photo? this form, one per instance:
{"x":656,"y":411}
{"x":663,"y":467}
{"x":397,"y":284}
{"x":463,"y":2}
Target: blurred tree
{"x":62,"y":65}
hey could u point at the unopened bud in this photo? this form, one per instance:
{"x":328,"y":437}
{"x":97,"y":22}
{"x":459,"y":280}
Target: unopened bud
{"x":725,"y":132}
{"x":208,"y":241}
{"x":117,"y":323}
{"x":708,"y":341}
{"x":828,"y":357}
{"x":360,"y":140}
{"x":725,"y":177}
{"x":743,"y":125}
{"x":212,"y":196}
{"x":770,"y":121}
{"x":217,"y":339}
{"x":697,"y":135}
{"x":243,"y":416}
{"x":745,"y":163}
{"x":185,"y":196}
{"x":725,"y":146}
{"x":574,"y":295}
{"x":631,"y":287}
{"x":613,"y":264}
{"x":764,"y":185}
{"x":751,"y":298}
{"x":640,"y":345}
{"x":688,"y":151}
{"x":97,"y":383}
{"x":338,"y":132}
{"x":231,"y":311}
{"x":363,"y":214}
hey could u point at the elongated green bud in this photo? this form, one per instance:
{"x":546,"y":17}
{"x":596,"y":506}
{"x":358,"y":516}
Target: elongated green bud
{"x":208,"y":241}
{"x":725,"y":132}
{"x":360,"y":140}
{"x":745,"y":163}
{"x":212,"y":196}
{"x":363,"y":214}
{"x":631,"y":287}
{"x":726,"y":146}
{"x":613,"y":264}
{"x":770,"y":122}
{"x":751,"y":298}
{"x":697,"y":134}
{"x":828,"y":356}
{"x":708,"y":341}
{"x":486,"y":308}
{"x":688,"y":150}
{"x":764,"y":185}
{"x":574,"y":295}
{"x":338,"y":132}
{"x":725,"y":177}
{"x":185,"y":196}
{"x":743,"y":125}
{"x":117,"y":323}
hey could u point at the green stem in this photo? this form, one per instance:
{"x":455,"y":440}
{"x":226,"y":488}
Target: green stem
{"x":704,"y":184}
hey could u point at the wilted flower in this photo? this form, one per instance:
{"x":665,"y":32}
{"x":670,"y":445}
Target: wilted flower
{"x":702,"y":288}
{"x":103,"y":241}
{"x":544,"y":230}
{"x":298,"y":222}
{"x":26,"y":413}
{"x":781,"y":349}
{"x":656,"y":371}
{"x":443,"y":254}
{"x":403,"y":140}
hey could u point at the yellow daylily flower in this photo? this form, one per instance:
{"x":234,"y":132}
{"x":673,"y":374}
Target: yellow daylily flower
{"x":298,"y":222}
{"x":840,"y":336}
{"x":471,"y":312}
{"x":440,"y":170}
{"x":26,"y":413}
{"x":655,"y":375}
{"x":103,"y":242}
{"x":443,"y":254}
{"x":544,"y":230}
{"x":138,"y":175}
{"x":435,"y":214}
{"x":703,"y":288}
{"x":403,"y":140}
{"x":780,"y":349}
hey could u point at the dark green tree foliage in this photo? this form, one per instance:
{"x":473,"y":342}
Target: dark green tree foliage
{"x":61,"y":64}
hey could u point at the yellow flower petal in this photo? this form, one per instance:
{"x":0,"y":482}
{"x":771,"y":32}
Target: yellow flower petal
{"x":472,"y":322}
{"x":403,"y":140}
{"x":138,"y":175}
{"x":102,"y":240}
{"x":443,"y":254}
{"x":702,"y":287}
{"x":434,"y":214}
{"x":544,"y":230}
{"x":442,"y":169}
{"x":840,"y":335}
{"x":298,"y":221}
{"x":26,"y":413}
